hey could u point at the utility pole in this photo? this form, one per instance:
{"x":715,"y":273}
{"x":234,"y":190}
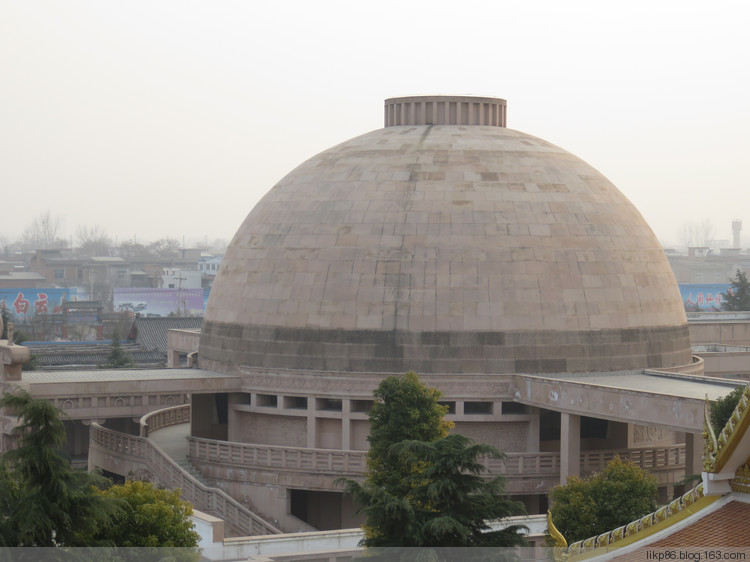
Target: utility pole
{"x":180,"y":279}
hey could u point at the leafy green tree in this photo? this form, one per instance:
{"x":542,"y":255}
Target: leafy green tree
{"x":424,"y":487}
{"x":738,"y":295}
{"x":118,"y":358}
{"x":404,"y":409}
{"x":722,"y":409}
{"x":44,"y":501}
{"x":151,"y":517}
{"x":585,"y":507}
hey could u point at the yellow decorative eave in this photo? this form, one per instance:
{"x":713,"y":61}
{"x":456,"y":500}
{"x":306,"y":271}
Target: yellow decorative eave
{"x":689,"y":503}
{"x":732,"y":433}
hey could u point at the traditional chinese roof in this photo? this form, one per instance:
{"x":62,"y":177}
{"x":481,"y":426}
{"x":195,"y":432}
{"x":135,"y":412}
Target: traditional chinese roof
{"x":80,"y":355}
{"x":715,"y":513}
{"x":725,"y":525}
{"x":152,"y":332}
{"x":730,"y":451}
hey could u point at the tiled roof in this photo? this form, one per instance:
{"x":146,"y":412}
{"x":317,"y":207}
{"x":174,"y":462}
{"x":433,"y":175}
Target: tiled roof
{"x":727,"y":526}
{"x":152,"y":332}
{"x":692,"y":520}
{"x":723,"y":528}
{"x":70,"y":355}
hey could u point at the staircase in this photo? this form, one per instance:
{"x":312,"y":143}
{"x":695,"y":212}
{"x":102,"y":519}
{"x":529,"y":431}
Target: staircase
{"x":188,"y":467}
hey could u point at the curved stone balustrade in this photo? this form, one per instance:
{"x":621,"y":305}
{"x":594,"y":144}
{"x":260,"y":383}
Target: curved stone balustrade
{"x":111,"y":450}
{"x":696,"y":367}
{"x":326,"y":461}
{"x":353,"y":463}
{"x":164,"y":418}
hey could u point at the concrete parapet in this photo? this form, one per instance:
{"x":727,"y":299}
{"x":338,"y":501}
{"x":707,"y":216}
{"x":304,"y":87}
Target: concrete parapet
{"x":12,"y":358}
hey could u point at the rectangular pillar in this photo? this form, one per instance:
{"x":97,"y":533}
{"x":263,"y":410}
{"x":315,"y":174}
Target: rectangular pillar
{"x":311,"y":425}
{"x":532,"y":437}
{"x":693,"y":453}
{"x":173,"y":359}
{"x":570,"y":446}
{"x":346,"y":424}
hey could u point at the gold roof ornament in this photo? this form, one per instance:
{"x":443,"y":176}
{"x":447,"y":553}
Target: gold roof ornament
{"x":561,"y":545}
{"x":741,"y":480}
{"x":718,"y":452}
{"x":665,"y":515}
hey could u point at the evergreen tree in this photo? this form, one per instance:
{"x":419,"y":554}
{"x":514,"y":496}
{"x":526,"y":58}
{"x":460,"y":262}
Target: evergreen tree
{"x":118,"y":358}
{"x":586,"y":507}
{"x":426,"y":490}
{"x":404,"y":409}
{"x":738,"y":295}
{"x":44,"y":501}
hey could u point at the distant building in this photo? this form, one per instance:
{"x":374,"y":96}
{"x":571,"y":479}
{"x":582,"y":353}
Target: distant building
{"x":180,"y":278}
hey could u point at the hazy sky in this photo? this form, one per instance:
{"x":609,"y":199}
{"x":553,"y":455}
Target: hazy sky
{"x":173,"y":118}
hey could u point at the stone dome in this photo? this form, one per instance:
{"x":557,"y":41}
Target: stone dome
{"x":445,"y":243}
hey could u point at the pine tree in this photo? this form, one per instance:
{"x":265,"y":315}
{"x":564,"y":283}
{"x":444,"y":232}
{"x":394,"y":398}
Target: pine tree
{"x":404,"y":408}
{"x":118,"y":358}
{"x":44,"y":501}
{"x":428,"y":490}
{"x":738,"y":295}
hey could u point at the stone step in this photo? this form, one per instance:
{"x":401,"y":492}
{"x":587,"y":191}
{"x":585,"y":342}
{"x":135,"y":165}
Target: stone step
{"x":190,"y":469}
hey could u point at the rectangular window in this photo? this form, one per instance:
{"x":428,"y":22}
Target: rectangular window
{"x":295,"y":402}
{"x":477,"y":407}
{"x":361,"y":405}
{"x":59,"y":273}
{"x":328,"y":404}
{"x":451,"y":406}
{"x":267,"y":400}
{"x":513,"y":408}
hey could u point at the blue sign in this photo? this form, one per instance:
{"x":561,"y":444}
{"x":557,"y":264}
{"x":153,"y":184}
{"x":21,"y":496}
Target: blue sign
{"x":706,"y":297}
{"x":23,"y":304}
{"x":159,"y":302}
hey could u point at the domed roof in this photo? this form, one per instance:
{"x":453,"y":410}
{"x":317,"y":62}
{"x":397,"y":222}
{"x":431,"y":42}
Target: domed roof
{"x":445,"y":249}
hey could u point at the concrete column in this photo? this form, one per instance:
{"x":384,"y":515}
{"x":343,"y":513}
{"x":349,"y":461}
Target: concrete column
{"x":532,"y":437}
{"x":79,"y":445}
{"x":12,"y":357}
{"x":570,"y":446}
{"x":234,"y":429}
{"x":173,"y":359}
{"x":459,"y":407}
{"x":693,"y":453}
{"x":311,"y":429}
{"x":346,"y":440}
